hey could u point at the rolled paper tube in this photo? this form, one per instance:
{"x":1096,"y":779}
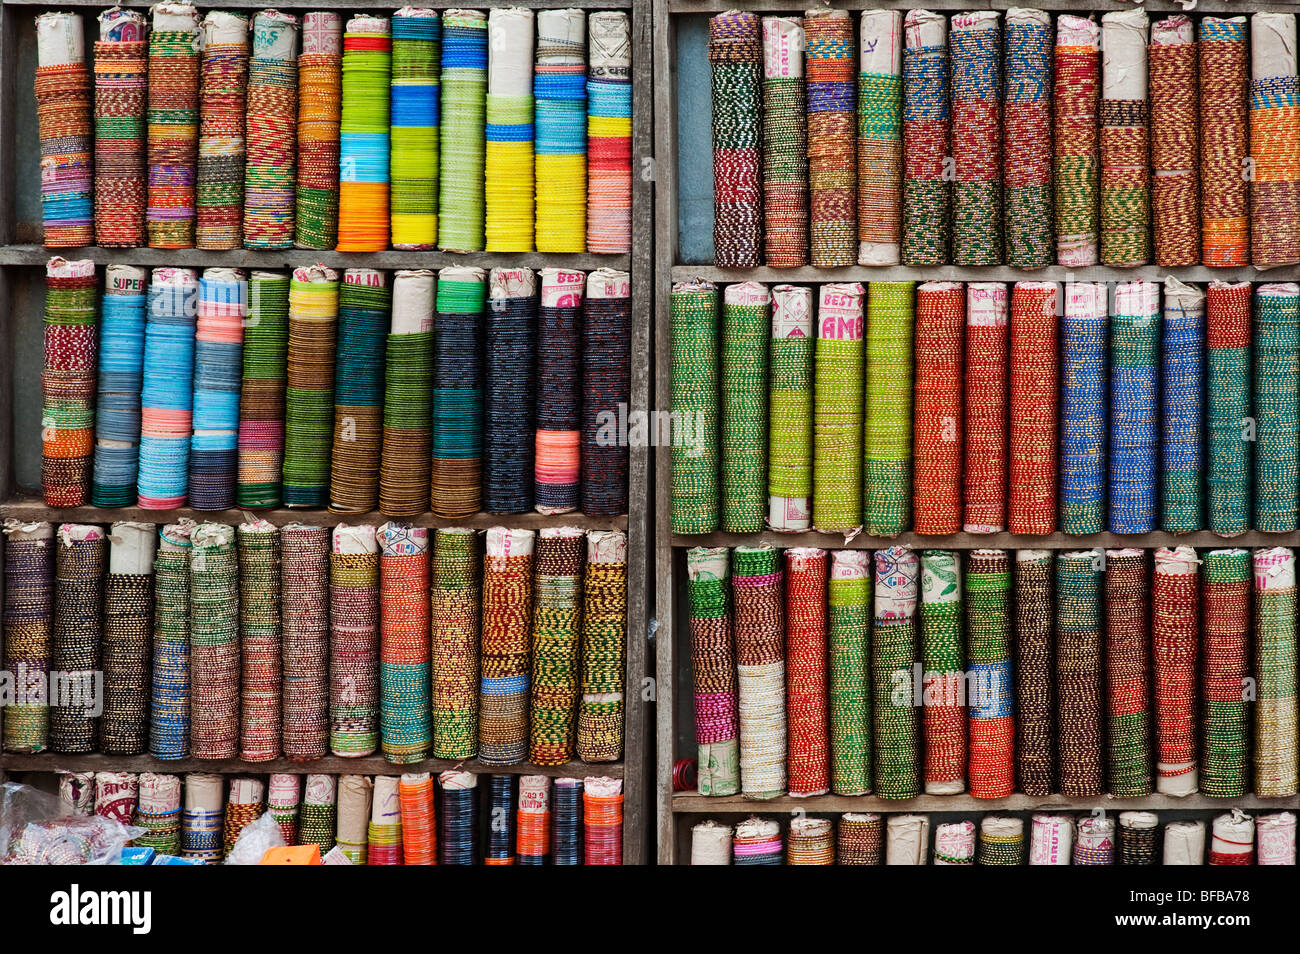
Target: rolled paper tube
{"x":992,"y":719}
{"x":559,"y":84}
{"x":736,"y":65}
{"x":713,"y":669}
{"x":319,"y":111}
{"x":1275,"y":839}
{"x":785,"y":143}
{"x":938,"y":423}
{"x":508,"y":151}
{"x":1134,"y":421}
{"x":1035,"y":738}
{"x":710,"y":844}
{"x":790,"y":410}
{"x":880,"y":137}
{"x":859,"y":839}
{"x":201,"y":820}
{"x":1184,"y":843}
{"x":68,"y":382}
{"x":1277,"y":377}
{"x":1232,"y":839}
{"x":837,"y":417}
{"x":1125,"y":115}
{"x":1077,"y":162}
{"x":1001,"y":840}
{"x":1051,"y":839}
{"x":832,"y":153}
{"x":927,"y":120}
{"x":28,"y":622}
{"x":760,"y":670}
{"x":510,"y":391}
{"x":121,"y":90}
{"x":1274,"y":141}
{"x":745,"y":322}
{"x":559,"y":397}
{"x":808,"y":757}
{"x":887,"y":433}
{"x":359,"y":380}
{"x":559,"y":561}
{"x":81,"y":555}
{"x":1228,"y":424}
{"x":609,"y":132}
{"x":454,"y":606}
{"x":1275,"y":672}
{"x":848,"y":621}
{"x":1027,"y":143}
{"x":604,"y":638}
{"x":893,"y":655}
{"x":1225,"y":217}
{"x":1175,"y":107}
{"x":1224,"y":710}
{"x":126,"y":643}
{"x":1128,"y":671}
{"x":173,"y":117}
{"x":1182,"y":445}
{"x":1095,"y":841}
{"x":943,"y":667}
{"x":364,"y":135}
{"x":811,"y":842}
{"x":975,"y":46}
{"x":77,"y":792}
{"x":404,"y":660}
{"x":1033,"y":361}
{"x":272,"y":127}
{"x":1138,"y":836}
{"x":404,"y":465}
{"x":505,"y":641}
{"x":355,"y":796}
{"x":954,"y":843}
{"x":414,"y":130}
{"x":115,"y":795}
{"x":986,"y":407}
{"x":222,"y":149}
{"x":757,"y":842}
{"x":907,"y":838}
{"x":169,"y":718}
{"x":1084,"y":337}
{"x":694,"y":503}
{"x":354,"y":641}
{"x":1078,"y":672}
{"x":1174,"y":638}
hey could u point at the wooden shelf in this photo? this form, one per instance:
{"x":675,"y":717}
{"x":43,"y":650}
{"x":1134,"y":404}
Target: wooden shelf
{"x":696,"y":804}
{"x":974,"y":541}
{"x":27,"y":509}
{"x":329,"y":765}
{"x":991,"y":273}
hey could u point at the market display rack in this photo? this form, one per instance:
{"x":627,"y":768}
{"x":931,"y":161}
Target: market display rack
{"x":22,"y":261}
{"x":681,"y":169}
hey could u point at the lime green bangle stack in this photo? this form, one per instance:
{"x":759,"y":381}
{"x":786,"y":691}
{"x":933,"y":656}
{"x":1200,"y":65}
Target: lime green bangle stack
{"x":837,"y":467}
{"x":745,"y":322}
{"x":694,"y":307}
{"x":887,"y":468}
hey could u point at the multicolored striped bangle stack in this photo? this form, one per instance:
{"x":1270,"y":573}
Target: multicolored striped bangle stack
{"x":560,"y":96}
{"x":893,"y":652}
{"x":219,"y":173}
{"x":557,"y":610}
{"x":758,"y":842}
{"x":745,"y":324}
{"x":404,"y":655}
{"x":454,"y":626}
{"x":1027,"y":143}
{"x":167,"y":391}
{"x":785,"y":144}
{"x":1227,"y":389}
{"x":405,"y":463}
{"x":354,"y":641}
{"x":1134,"y":420}
{"x":63,"y":116}
{"x":986,"y":407}
{"x":609,"y":132}
{"x":462,"y":140}
{"x":305,"y":640}
{"x":848,"y":630}
{"x":158,"y":811}
{"x":760,"y":670}
{"x":790,"y":410}
{"x":282,"y":801}
{"x":81,"y":556}
{"x":1225,"y":219}
{"x":1084,"y":339}
{"x":937,"y":479}
{"x":832,"y":158}
{"x":927,"y":199}
{"x":811,"y":842}
{"x":456,"y":473}
{"x":417,"y":50}
{"x":1182,"y":446}
{"x":127,"y":637}
{"x":309,"y":395}
{"x":1035,"y":741}
{"x":261,"y":405}
{"x":887,"y":440}
{"x":1275,"y":670}
{"x":736,"y":67}
{"x":976,"y":51}
{"x":320,"y":104}
{"x":359,"y":372}
{"x":606,"y":384}
{"x":1094,"y":842}
{"x":173,"y":125}
{"x":1274,"y":141}
{"x":509,"y":158}
{"x":259,"y":641}
{"x":944,"y":667}
{"x":121,"y":376}
{"x":269,"y":181}
{"x":859,"y":839}
{"x":1033,"y":356}
{"x":121,"y":91}
{"x":1175,"y":182}
{"x":1125,"y":180}
{"x":244,"y":806}
{"x":506,"y":632}
{"x":808,"y":755}
{"x":364,"y":147}
{"x":1077,"y":161}
{"x":28,"y":622}
{"x":992,"y":712}
{"x":218,"y":373}
{"x":1224,"y":712}
{"x":880,"y":137}
{"x":713,"y":668}
{"x":1079,"y":657}
{"x":1175,"y":605}
{"x":68,"y":382}
{"x":604,"y":638}
{"x":510,"y":389}
{"x":1277,"y":379}
{"x":169,"y":713}
{"x":214,"y":642}
{"x":1127,"y":674}
{"x":694,"y":498}
{"x":837,"y":417}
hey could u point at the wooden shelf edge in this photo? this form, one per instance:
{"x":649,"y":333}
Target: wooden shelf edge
{"x":695,"y":804}
{"x":975,"y":541}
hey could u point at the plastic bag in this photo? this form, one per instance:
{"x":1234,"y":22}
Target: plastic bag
{"x":36,"y":829}
{"x":255,"y":840}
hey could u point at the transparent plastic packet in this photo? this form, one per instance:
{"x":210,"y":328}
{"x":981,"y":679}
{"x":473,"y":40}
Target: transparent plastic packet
{"x":36,"y":829}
